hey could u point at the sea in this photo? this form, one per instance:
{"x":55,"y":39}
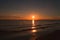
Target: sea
{"x":25,"y":30}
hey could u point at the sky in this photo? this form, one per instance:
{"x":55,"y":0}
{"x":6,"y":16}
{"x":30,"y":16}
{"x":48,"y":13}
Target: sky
{"x":24,"y":9}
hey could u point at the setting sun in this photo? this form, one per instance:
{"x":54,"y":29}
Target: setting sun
{"x":33,"y":17}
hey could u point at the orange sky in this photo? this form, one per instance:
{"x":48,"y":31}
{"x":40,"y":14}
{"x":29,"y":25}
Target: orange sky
{"x":28,"y":17}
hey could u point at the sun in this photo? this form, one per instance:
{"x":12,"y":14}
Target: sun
{"x":33,"y":17}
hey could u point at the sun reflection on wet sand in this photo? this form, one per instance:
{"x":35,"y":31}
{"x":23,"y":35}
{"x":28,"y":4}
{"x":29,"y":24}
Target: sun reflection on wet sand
{"x":34,"y":30}
{"x":33,"y":37}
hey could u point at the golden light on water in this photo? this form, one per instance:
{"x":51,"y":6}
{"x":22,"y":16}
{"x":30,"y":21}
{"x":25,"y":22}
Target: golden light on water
{"x":33,"y":24}
{"x":33,"y":20}
{"x":34,"y":30}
